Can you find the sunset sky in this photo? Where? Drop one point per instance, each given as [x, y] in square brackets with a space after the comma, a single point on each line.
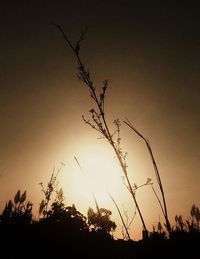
[150, 55]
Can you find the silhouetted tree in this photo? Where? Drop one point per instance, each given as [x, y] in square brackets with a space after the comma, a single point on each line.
[68, 216]
[101, 222]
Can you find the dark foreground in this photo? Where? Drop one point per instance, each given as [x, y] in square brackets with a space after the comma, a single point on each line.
[40, 241]
[63, 232]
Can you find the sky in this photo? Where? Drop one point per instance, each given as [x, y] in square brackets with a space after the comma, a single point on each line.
[150, 54]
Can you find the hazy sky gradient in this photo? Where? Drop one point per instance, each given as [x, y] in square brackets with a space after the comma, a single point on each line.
[151, 57]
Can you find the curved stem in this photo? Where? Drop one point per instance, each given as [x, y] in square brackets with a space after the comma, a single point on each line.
[164, 210]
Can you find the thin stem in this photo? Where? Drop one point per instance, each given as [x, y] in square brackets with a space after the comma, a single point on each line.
[124, 224]
[165, 213]
[159, 201]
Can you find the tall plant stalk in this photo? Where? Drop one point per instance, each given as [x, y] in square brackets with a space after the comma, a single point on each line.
[164, 205]
[99, 121]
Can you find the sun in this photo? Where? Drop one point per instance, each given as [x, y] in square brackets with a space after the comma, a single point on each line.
[101, 176]
[93, 173]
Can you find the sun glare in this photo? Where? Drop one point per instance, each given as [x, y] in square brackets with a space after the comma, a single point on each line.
[93, 172]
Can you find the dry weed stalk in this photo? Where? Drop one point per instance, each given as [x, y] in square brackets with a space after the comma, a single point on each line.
[99, 122]
[158, 178]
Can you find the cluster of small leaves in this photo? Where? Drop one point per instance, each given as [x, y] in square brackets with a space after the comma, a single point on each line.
[191, 224]
[180, 224]
[148, 182]
[97, 120]
[59, 196]
[98, 123]
[67, 215]
[100, 221]
[135, 187]
[48, 191]
[82, 37]
[17, 210]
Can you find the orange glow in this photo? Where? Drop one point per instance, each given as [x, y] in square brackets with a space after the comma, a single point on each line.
[97, 174]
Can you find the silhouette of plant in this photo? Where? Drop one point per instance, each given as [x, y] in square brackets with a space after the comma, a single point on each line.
[125, 226]
[101, 223]
[180, 224]
[17, 211]
[189, 226]
[164, 206]
[195, 214]
[57, 213]
[67, 216]
[158, 232]
[48, 192]
[91, 237]
[97, 205]
[98, 119]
